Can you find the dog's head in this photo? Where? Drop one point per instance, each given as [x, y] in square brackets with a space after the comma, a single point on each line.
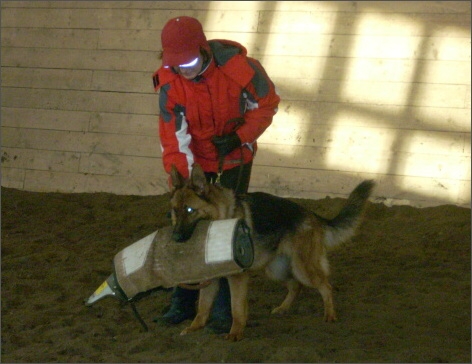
[192, 200]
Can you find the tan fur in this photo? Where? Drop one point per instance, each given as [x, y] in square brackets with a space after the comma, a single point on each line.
[305, 250]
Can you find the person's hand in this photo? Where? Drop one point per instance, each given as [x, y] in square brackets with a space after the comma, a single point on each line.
[225, 144]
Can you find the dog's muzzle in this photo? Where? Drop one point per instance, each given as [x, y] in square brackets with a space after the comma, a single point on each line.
[183, 231]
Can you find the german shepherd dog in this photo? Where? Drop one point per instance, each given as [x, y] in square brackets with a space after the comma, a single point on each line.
[290, 242]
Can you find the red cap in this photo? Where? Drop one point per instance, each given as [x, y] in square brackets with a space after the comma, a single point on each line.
[181, 40]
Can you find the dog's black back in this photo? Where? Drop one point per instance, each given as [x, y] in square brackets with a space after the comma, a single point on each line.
[273, 217]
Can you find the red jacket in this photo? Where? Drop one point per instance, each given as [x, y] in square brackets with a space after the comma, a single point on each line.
[193, 111]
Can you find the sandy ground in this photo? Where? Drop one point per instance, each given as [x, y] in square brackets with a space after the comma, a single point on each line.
[402, 289]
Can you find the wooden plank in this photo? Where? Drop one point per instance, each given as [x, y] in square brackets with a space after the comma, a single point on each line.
[86, 59]
[147, 5]
[463, 198]
[72, 100]
[306, 114]
[330, 22]
[283, 44]
[49, 18]
[362, 140]
[132, 81]
[67, 141]
[50, 38]
[418, 47]
[342, 6]
[359, 69]
[45, 119]
[380, 140]
[13, 178]
[352, 92]
[424, 190]
[264, 21]
[440, 95]
[355, 46]
[357, 160]
[122, 81]
[121, 165]
[175, 5]
[226, 20]
[114, 18]
[21, 158]
[449, 72]
[333, 68]
[45, 181]
[290, 112]
[350, 160]
[130, 40]
[163, 5]
[373, 92]
[412, 6]
[53, 140]
[415, 191]
[47, 78]
[129, 124]
[293, 182]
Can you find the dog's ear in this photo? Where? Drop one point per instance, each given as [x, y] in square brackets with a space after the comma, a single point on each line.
[199, 182]
[176, 178]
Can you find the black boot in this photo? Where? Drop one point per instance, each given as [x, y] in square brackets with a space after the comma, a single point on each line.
[220, 318]
[182, 307]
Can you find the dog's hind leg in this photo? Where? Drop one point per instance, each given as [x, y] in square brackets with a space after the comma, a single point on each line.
[205, 302]
[327, 293]
[320, 282]
[314, 273]
[294, 288]
[238, 285]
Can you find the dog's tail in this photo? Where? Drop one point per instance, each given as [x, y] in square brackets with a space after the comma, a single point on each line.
[344, 225]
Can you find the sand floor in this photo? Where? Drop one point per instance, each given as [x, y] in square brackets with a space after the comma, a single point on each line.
[402, 289]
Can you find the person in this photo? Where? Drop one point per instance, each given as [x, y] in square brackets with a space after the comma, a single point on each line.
[214, 101]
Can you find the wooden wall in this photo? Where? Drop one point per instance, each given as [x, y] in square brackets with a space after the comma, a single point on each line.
[374, 89]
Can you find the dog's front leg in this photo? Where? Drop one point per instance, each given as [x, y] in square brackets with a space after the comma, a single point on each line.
[205, 302]
[238, 285]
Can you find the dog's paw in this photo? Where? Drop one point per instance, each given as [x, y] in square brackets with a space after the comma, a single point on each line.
[330, 318]
[279, 311]
[234, 337]
[187, 330]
